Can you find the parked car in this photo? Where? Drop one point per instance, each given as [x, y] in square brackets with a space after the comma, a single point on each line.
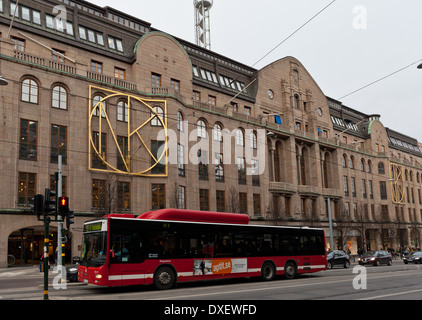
[338, 258]
[413, 257]
[72, 270]
[376, 258]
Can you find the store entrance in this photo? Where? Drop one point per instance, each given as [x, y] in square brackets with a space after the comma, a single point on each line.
[26, 246]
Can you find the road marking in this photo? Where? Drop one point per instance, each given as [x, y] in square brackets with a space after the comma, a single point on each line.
[281, 287]
[391, 295]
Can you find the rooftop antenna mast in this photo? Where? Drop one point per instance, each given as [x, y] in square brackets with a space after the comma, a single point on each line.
[202, 23]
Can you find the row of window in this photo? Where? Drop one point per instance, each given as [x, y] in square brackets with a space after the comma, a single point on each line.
[366, 191]
[234, 202]
[225, 81]
[56, 23]
[100, 196]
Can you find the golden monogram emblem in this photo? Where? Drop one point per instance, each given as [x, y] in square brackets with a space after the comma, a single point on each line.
[131, 122]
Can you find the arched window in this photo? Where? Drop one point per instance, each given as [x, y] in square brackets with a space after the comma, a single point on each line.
[362, 165]
[369, 166]
[277, 162]
[180, 121]
[201, 128]
[344, 161]
[158, 114]
[296, 101]
[98, 104]
[325, 170]
[240, 139]
[254, 141]
[122, 111]
[216, 133]
[381, 168]
[352, 162]
[30, 91]
[59, 97]
[303, 169]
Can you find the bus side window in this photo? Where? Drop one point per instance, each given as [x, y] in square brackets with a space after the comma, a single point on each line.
[223, 246]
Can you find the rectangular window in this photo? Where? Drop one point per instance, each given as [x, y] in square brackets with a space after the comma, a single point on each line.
[155, 80]
[96, 66]
[123, 195]
[157, 150]
[383, 190]
[58, 143]
[99, 158]
[255, 173]
[345, 186]
[158, 196]
[14, 10]
[28, 140]
[212, 100]
[99, 193]
[221, 201]
[58, 55]
[204, 199]
[122, 155]
[120, 73]
[53, 184]
[247, 111]
[19, 43]
[241, 170]
[196, 96]
[203, 165]
[243, 202]
[181, 199]
[115, 44]
[175, 84]
[257, 204]
[353, 185]
[364, 188]
[180, 160]
[82, 32]
[218, 167]
[26, 188]
[26, 14]
[36, 17]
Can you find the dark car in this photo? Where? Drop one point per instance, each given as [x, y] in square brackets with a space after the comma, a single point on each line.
[72, 273]
[72, 270]
[338, 258]
[376, 258]
[413, 257]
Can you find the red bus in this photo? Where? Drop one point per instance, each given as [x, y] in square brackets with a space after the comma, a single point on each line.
[170, 246]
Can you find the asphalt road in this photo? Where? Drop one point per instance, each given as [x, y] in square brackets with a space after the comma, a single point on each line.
[397, 282]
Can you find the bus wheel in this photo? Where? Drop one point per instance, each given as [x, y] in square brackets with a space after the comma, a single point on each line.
[290, 270]
[164, 278]
[268, 271]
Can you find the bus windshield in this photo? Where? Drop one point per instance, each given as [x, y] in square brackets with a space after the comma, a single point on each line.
[94, 249]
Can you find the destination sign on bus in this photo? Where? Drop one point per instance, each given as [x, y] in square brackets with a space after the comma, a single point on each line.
[97, 226]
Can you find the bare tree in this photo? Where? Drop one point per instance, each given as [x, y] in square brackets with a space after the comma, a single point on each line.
[342, 224]
[275, 216]
[233, 204]
[107, 202]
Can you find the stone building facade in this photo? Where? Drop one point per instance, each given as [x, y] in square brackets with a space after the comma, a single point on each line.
[109, 93]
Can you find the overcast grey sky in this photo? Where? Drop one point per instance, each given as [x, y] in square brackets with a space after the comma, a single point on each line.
[340, 57]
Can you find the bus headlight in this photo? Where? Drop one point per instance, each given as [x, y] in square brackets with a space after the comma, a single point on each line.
[98, 276]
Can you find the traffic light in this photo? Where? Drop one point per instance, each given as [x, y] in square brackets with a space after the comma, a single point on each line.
[50, 204]
[69, 219]
[39, 205]
[63, 206]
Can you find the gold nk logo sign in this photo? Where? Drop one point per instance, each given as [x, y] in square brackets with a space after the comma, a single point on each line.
[131, 124]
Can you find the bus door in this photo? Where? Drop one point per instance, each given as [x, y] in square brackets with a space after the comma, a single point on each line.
[126, 255]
